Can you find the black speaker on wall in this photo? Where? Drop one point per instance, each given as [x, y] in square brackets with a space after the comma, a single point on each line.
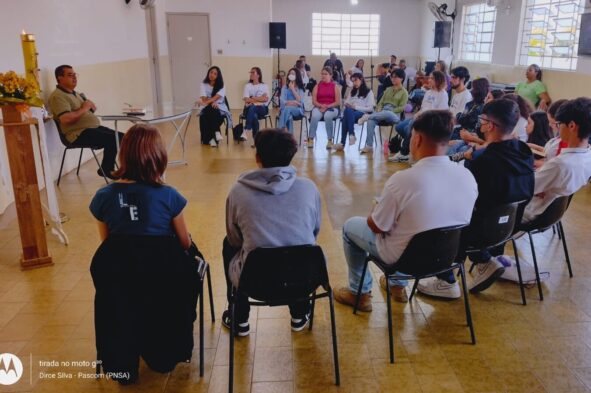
[277, 37]
[442, 34]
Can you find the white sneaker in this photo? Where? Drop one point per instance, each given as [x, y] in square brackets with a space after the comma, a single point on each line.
[310, 143]
[243, 136]
[213, 143]
[329, 145]
[398, 157]
[366, 150]
[352, 140]
[338, 147]
[528, 272]
[436, 287]
[363, 119]
[218, 136]
[485, 274]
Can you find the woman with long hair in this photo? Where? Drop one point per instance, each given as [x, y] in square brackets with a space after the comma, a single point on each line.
[326, 98]
[213, 107]
[291, 101]
[525, 109]
[435, 98]
[256, 101]
[139, 203]
[442, 67]
[533, 89]
[360, 102]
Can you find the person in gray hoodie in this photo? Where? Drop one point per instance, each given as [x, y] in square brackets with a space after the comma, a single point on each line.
[269, 207]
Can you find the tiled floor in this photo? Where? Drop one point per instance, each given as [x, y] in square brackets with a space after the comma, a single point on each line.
[47, 314]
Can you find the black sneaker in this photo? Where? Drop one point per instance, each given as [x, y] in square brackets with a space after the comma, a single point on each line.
[297, 325]
[108, 174]
[241, 329]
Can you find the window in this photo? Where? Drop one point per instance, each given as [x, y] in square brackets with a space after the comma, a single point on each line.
[478, 31]
[550, 33]
[345, 34]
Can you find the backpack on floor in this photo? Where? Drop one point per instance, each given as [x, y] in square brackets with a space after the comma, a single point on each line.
[395, 144]
[237, 131]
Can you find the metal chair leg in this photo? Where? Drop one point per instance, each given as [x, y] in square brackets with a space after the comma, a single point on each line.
[201, 338]
[361, 136]
[312, 307]
[562, 234]
[521, 286]
[80, 160]
[59, 177]
[358, 298]
[467, 304]
[210, 289]
[414, 289]
[231, 360]
[333, 328]
[533, 253]
[390, 328]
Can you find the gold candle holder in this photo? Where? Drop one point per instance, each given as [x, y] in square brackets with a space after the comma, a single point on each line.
[30, 57]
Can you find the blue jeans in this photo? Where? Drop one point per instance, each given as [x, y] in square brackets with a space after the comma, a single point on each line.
[358, 240]
[404, 129]
[287, 115]
[253, 114]
[350, 116]
[328, 118]
[457, 147]
[378, 117]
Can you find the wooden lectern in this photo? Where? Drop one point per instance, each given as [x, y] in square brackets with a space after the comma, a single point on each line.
[21, 158]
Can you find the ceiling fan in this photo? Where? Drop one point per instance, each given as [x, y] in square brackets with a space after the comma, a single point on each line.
[440, 11]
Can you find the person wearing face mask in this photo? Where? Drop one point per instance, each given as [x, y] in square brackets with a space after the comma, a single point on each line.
[291, 101]
[359, 103]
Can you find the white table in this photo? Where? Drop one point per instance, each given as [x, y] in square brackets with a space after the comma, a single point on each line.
[178, 116]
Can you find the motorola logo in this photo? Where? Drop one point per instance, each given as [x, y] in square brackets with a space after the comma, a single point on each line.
[11, 369]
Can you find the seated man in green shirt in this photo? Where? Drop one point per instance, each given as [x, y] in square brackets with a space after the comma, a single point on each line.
[389, 108]
[77, 120]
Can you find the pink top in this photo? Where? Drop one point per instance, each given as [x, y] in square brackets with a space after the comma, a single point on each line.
[326, 93]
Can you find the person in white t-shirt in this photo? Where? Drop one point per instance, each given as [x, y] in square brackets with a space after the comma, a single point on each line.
[435, 98]
[566, 173]
[213, 107]
[525, 109]
[461, 96]
[410, 203]
[256, 101]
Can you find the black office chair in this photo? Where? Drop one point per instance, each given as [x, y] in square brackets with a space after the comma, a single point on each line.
[428, 254]
[145, 302]
[68, 146]
[281, 276]
[550, 218]
[302, 119]
[491, 228]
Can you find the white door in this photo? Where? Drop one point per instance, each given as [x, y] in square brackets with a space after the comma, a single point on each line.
[190, 54]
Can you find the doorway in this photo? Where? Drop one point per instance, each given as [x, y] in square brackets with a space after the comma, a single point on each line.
[189, 51]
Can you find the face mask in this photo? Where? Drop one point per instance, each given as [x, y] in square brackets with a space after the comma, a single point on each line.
[291, 77]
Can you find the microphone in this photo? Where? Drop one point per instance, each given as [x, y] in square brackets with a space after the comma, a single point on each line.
[83, 96]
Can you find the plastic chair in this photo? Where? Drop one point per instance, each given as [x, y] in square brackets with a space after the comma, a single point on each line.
[280, 276]
[550, 218]
[428, 254]
[146, 295]
[491, 228]
[69, 146]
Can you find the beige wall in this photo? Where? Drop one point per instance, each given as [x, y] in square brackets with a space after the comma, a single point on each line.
[235, 71]
[560, 84]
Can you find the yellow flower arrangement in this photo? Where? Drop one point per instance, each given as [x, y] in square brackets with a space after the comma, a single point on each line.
[15, 89]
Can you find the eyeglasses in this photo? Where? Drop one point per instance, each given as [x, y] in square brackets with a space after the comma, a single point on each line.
[484, 120]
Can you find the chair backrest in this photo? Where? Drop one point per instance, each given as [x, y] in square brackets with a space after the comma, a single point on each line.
[492, 226]
[62, 136]
[430, 251]
[279, 275]
[551, 215]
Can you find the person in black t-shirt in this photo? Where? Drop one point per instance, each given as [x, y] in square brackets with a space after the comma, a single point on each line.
[504, 174]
